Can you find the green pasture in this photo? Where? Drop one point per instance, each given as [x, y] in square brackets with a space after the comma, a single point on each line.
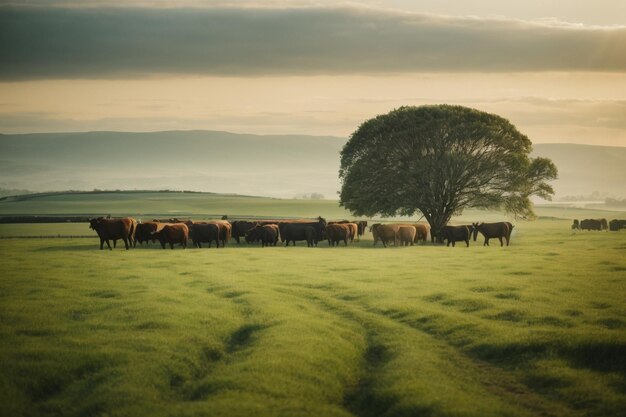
[534, 329]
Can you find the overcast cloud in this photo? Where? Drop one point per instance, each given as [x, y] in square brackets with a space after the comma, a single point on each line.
[44, 43]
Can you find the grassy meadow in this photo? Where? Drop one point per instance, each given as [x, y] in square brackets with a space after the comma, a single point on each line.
[536, 328]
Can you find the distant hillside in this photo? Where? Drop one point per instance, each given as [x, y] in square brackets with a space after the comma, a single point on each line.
[277, 165]
[585, 169]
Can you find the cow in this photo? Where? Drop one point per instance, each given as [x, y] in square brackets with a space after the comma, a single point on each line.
[576, 225]
[267, 234]
[406, 235]
[387, 233]
[455, 234]
[374, 231]
[421, 232]
[615, 225]
[362, 224]
[593, 224]
[204, 232]
[338, 232]
[493, 230]
[113, 229]
[240, 227]
[354, 230]
[301, 231]
[173, 233]
[298, 230]
[224, 227]
[144, 232]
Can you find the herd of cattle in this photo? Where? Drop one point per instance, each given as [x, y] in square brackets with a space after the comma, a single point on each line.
[599, 224]
[269, 232]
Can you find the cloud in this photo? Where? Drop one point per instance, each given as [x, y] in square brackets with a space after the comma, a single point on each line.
[98, 42]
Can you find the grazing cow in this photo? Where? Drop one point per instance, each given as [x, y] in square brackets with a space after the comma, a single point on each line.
[387, 233]
[173, 233]
[298, 230]
[593, 224]
[144, 232]
[338, 232]
[615, 225]
[455, 234]
[406, 235]
[493, 230]
[113, 229]
[575, 225]
[203, 232]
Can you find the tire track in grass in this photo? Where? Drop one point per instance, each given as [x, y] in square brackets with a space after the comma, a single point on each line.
[197, 388]
[367, 398]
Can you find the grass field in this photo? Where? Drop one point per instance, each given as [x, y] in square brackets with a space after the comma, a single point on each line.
[538, 328]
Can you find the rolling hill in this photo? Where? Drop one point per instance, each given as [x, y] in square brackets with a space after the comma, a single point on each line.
[277, 166]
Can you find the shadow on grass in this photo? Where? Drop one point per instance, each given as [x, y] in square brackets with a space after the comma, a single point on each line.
[603, 356]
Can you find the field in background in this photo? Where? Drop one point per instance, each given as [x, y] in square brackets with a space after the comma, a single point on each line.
[537, 328]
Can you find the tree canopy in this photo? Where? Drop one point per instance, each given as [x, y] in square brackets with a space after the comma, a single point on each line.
[438, 160]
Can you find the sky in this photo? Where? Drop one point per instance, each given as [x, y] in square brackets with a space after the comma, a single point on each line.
[556, 69]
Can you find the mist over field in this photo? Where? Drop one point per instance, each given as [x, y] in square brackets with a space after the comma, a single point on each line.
[284, 166]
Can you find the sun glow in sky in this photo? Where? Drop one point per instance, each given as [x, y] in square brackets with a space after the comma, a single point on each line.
[555, 69]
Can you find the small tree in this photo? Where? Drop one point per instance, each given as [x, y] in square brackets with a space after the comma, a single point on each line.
[438, 160]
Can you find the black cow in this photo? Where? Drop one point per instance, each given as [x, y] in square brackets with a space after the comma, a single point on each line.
[201, 233]
[455, 234]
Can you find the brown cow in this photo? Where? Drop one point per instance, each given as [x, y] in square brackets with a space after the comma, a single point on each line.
[354, 230]
[173, 233]
[337, 232]
[267, 234]
[406, 235]
[387, 233]
[113, 229]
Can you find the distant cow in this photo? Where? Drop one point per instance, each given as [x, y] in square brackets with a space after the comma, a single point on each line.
[455, 234]
[173, 233]
[615, 225]
[335, 233]
[575, 224]
[406, 235]
[223, 225]
[354, 230]
[205, 233]
[498, 230]
[144, 232]
[113, 229]
[593, 224]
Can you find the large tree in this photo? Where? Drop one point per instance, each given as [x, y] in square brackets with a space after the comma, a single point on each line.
[438, 160]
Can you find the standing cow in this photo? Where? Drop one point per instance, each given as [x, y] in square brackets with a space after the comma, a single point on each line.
[144, 231]
[173, 233]
[455, 234]
[113, 229]
[498, 230]
[204, 233]
[406, 235]
[338, 232]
